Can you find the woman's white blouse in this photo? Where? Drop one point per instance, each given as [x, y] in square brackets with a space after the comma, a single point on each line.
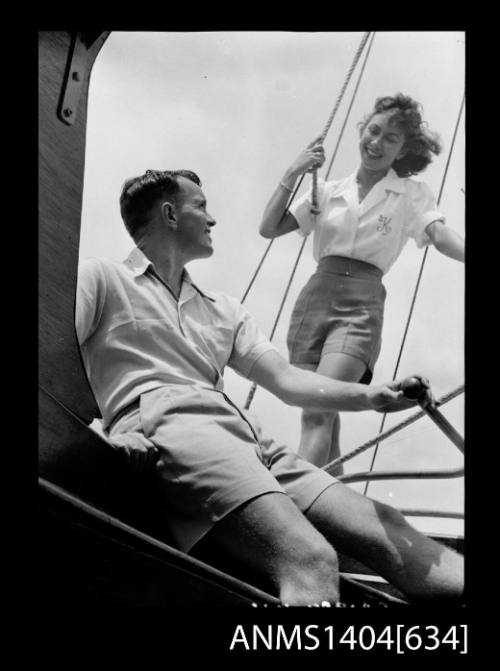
[374, 231]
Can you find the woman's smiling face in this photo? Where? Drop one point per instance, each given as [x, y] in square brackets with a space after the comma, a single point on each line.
[382, 142]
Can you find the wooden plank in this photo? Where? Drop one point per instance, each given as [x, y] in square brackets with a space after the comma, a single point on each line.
[90, 557]
[75, 457]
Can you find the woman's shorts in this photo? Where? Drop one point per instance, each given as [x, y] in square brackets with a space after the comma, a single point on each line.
[340, 310]
[213, 459]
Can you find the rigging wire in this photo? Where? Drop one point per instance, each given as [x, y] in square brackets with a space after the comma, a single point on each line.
[292, 197]
[397, 427]
[334, 155]
[253, 389]
[417, 285]
[357, 55]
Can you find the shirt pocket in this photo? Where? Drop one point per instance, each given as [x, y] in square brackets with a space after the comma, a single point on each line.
[217, 340]
[153, 406]
[154, 332]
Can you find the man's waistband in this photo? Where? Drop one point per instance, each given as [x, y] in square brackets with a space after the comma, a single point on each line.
[121, 413]
[130, 407]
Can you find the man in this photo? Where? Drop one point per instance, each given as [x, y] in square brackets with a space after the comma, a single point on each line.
[155, 347]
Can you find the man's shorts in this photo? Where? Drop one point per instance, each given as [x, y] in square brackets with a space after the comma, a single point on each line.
[212, 458]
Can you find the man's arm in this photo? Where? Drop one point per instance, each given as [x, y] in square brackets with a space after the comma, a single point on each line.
[303, 388]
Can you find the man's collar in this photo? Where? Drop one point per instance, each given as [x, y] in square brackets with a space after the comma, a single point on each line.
[139, 263]
[204, 294]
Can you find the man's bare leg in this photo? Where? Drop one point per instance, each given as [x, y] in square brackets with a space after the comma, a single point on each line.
[380, 537]
[272, 538]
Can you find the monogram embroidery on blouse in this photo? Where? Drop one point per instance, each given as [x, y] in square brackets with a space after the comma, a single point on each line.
[384, 227]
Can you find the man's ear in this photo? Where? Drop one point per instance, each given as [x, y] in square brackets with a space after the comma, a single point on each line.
[168, 214]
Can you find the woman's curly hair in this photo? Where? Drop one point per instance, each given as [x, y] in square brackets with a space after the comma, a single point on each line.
[420, 143]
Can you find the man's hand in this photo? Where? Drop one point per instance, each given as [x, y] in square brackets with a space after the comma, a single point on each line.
[390, 397]
[139, 452]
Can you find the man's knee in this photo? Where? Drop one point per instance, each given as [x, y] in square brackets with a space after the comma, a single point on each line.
[313, 576]
[322, 558]
[318, 560]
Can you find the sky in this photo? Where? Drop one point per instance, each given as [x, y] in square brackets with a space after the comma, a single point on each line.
[237, 108]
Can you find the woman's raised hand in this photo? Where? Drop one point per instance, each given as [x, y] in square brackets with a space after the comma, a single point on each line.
[310, 159]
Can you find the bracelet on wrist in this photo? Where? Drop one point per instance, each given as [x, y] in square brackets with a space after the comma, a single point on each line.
[287, 188]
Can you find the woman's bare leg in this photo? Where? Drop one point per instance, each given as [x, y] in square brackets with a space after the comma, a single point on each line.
[319, 441]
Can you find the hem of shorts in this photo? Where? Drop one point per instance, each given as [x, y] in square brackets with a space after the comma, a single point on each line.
[315, 498]
[313, 485]
[309, 358]
[346, 350]
[215, 518]
[212, 505]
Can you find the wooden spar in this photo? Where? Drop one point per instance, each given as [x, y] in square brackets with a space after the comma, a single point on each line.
[61, 166]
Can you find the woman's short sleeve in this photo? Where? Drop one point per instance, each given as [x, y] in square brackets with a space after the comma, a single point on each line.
[301, 209]
[422, 212]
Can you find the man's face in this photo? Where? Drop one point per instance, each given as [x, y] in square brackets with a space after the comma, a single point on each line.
[193, 221]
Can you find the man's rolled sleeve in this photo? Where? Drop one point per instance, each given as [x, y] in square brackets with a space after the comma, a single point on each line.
[250, 343]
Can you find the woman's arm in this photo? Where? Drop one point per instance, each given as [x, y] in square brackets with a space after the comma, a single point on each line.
[446, 240]
[273, 222]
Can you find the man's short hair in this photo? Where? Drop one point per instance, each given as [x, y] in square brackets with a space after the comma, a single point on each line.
[140, 194]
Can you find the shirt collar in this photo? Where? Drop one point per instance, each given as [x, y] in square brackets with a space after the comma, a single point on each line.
[138, 263]
[391, 182]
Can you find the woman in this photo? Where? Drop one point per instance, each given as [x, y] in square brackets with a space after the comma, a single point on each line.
[363, 223]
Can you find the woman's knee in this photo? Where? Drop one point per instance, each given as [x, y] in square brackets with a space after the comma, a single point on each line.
[313, 419]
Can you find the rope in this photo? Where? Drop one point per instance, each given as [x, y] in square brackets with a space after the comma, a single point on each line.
[382, 436]
[247, 291]
[382, 424]
[325, 131]
[253, 388]
[334, 155]
[314, 194]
